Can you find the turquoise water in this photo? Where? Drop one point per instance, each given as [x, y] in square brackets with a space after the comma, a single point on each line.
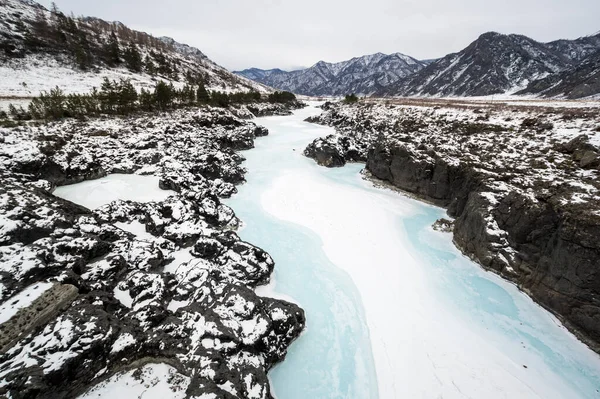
[334, 358]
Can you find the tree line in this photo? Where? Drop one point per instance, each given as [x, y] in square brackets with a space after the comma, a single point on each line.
[121, 98]
[92, 42]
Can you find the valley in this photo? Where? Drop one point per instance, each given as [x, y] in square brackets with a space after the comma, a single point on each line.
[380, 227]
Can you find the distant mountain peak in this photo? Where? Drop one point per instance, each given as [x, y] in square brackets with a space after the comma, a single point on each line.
[361, 75]
[495, 63]
[491, 35]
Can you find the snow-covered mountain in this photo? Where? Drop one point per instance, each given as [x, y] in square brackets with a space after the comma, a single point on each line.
[582, 80]
[360, 75]
[493, 64]
[41, 49]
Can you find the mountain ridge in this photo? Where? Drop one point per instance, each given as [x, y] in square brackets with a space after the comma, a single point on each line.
[494, 63]
[45, 48]
[361, 75]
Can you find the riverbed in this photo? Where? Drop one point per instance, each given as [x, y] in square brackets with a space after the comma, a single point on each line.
[393, 309]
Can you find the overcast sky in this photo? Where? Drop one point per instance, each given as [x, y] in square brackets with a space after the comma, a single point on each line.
[297, 33]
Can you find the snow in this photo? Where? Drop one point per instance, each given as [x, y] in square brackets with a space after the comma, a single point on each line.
[156, 381]
[23, 299]
[30, 76]
[95, 193]
[124, 341]
[180, 257]
[137, 229]
[123, 296]
[270, 291]
[18, 260]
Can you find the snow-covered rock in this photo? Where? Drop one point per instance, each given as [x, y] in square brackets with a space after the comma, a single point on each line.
[138, 284]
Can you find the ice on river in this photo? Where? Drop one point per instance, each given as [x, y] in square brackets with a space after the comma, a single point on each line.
[420, 349]
[439, 326]
[95, 193]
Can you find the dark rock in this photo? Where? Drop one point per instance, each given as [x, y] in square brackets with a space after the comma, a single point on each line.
[325, 153]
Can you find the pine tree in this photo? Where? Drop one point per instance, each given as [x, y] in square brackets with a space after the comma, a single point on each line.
[133, 58]
[82, 51]
[112, 50]
[146, 99]
[108, 96]
[150, 66]
[163, 95]
[127, 97]
[202, 95]
[82, 57]
[40, 31]
[220, 99]
[350, 98]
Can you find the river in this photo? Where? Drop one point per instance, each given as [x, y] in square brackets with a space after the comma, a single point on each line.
[393, 309]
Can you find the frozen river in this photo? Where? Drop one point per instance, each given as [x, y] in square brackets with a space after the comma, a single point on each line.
[393, 309]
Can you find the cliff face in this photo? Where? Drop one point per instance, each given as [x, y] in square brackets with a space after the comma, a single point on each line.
[538, 232]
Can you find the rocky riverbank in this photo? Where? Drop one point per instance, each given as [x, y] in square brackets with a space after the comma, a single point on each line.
[522, 183]
[133, 284]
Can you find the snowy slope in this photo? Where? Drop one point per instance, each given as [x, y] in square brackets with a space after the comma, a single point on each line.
[361, 75]
[494, 64]
[580, 81]
[30, 62]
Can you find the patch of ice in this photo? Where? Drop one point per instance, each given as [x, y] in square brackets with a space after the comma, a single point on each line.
[95, 193]
[123, 296]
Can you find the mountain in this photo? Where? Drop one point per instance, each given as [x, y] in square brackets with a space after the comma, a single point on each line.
[494, 64]
[41, 49]
[361, 75]
[580, 81]
[579, 49]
